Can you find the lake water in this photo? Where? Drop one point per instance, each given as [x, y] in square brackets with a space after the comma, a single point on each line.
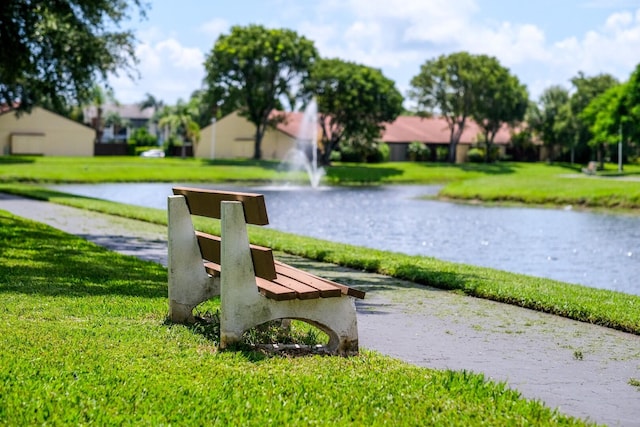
[592, 249]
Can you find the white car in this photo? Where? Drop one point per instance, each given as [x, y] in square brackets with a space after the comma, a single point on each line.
[152, 153]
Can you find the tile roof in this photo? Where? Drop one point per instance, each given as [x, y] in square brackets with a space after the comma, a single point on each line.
[404, 129]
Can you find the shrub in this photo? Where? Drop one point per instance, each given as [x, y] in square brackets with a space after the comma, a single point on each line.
[418, 152]
[476, 155]
[380, 153]
[142, 137]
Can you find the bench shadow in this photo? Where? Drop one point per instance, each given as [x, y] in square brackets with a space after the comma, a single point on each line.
[374, 283]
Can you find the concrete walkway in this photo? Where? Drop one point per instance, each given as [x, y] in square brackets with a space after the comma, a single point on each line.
[581, 369]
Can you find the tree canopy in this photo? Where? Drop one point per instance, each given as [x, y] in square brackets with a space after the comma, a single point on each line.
[460, 86]
[353, 100]
[500, 99]
[550, 119]
[255, 66]
[53, 51]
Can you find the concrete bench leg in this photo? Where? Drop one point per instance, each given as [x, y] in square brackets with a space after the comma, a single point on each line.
[189, 283]
[242, 307]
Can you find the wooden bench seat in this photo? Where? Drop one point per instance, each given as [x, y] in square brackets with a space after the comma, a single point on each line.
[197, 272]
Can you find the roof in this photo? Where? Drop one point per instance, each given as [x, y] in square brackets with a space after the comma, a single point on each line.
[435, 130]
[126, 111]
[406, 129]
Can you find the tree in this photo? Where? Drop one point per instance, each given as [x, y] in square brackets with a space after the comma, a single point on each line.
[52, 52]
[605, 119]
[586, 90]
[180, 121]
[98, 97]
[157, 105]
[448, 85]
[254, 66]
[551, 120]
[500, 99]
[353, 101]
[113, 118]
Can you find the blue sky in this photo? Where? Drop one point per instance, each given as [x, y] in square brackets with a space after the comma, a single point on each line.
[542, 42]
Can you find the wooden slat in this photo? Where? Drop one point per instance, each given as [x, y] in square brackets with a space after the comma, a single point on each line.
[204, 202]
[265, 287]
[302, 290]
[212, 268]
[326, 290]
[274, 291]
[346, 290]
[263, 263]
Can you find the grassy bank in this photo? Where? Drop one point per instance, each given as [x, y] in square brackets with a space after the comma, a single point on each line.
[542, 184]
[603, 307]
[84, 342]
[530, 183]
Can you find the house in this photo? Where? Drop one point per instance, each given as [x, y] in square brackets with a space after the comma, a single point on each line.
[131, 117]
[434, 132]
[234, 137]
[42, 132]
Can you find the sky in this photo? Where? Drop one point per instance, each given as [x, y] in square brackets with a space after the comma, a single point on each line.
[542, 42]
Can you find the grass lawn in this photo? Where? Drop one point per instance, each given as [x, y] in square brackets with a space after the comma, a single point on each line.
[84, 341]
[543, 184]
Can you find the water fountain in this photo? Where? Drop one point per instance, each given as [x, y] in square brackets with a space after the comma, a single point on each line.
[304, 156]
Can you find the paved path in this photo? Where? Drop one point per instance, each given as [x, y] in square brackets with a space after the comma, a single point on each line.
[581, 369]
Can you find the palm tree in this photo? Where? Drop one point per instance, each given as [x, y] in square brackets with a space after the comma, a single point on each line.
[158, 106]
[180, 121]
[99, 97]
[113, 118]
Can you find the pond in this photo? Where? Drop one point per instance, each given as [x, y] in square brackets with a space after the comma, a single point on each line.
[592, 249]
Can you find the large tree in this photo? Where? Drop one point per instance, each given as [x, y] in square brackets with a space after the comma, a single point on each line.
[52, 52]
[448, 86]
[551, 121]
[353, 101]
[586, 89]
[254, 66]
[500, 99]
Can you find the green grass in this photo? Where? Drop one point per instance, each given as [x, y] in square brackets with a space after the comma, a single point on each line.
[599, 306]
[530, 183]
[84, 341]
[135, 169]
[556, 185]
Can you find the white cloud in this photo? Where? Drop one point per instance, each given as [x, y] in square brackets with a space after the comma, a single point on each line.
[168, 70]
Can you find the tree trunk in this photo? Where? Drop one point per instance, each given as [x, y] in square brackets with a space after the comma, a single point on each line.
[257, 147]
[452, 152]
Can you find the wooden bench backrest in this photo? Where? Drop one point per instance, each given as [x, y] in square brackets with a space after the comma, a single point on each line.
[203, 202]
[207, 203]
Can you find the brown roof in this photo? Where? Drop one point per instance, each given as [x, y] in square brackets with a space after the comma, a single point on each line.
[405, 129]
[435, 130]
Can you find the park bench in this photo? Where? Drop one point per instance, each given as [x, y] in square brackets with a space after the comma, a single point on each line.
[253, 287]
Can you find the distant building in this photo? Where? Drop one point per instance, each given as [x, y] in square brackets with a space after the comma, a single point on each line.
[434, 132]
[132, 118]
[44, 133]
[234, 137]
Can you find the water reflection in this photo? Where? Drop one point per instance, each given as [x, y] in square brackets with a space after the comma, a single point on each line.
[587, 248]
